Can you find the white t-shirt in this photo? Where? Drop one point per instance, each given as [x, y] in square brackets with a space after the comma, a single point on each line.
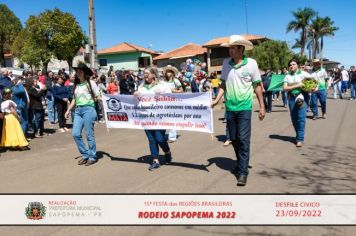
[345, 75]
[5, 106]
[159, 88]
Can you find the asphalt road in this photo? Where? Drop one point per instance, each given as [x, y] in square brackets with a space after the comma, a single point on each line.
[325, 164]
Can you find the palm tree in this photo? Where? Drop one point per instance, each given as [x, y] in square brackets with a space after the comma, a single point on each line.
[302, 20]
[320, 27]
[297, 44]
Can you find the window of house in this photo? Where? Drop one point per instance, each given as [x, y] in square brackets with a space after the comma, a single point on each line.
[144, 61]
[103, 62]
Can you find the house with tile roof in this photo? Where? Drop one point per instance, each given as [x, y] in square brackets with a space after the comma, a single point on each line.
[178, 56]
[127, 56]
[216, 53]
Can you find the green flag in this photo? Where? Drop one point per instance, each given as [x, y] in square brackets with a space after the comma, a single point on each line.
[276, 83]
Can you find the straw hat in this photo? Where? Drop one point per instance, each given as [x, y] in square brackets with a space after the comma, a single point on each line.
[238, 40]
[316, 61]
[171, 68]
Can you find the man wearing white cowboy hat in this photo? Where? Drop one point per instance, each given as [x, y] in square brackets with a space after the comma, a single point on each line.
[320, 94]
[240, 77]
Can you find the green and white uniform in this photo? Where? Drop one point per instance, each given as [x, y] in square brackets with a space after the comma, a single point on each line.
[240, 81]
[320, 75]
[295, 78]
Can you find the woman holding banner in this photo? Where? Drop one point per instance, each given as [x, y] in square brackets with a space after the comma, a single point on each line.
[293, 83]
[86, 93]
[156, 138]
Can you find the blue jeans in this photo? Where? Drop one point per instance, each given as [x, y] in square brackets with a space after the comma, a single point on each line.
[239, 124]
[157, 138]
[321, 96]
[39, 120]
[285, 98]
[298, 116]
[353, 91]
[215, 91]
[337, 89]
[267, 100]
[52, 111]
[23, 114]
[343, 86]
[227, 133]
[85, 117]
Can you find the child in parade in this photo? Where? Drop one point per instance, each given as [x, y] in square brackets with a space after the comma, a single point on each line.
[12, 134]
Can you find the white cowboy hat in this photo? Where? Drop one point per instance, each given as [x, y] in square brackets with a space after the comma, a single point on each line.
[238, 40]
[316, 61]
[171, 68]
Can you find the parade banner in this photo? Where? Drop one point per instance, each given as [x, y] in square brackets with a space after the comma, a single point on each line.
[178, 209]
[179, 111]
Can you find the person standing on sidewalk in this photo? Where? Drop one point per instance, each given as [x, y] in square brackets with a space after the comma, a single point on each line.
[240, 77]
[297, 99]
[86, 92]
[320, 75]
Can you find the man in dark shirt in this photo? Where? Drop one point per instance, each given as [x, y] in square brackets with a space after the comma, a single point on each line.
[353, 82]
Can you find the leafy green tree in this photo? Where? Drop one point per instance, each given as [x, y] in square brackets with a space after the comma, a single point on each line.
[320, 27]
[271, 54]
[28, 51]
[58, 33]
[301, 22]
[10, 26]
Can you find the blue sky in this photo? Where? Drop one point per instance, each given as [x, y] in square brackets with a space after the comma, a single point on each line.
[165, 25]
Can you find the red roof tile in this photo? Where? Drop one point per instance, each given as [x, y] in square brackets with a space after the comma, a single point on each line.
[187, 50]
[219, 41]
[125, 47]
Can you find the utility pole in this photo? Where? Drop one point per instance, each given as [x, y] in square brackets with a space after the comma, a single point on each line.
[246, 16]
[92, 35]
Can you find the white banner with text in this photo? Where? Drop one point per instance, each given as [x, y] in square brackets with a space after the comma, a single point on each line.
[180, 111]
[178, 209]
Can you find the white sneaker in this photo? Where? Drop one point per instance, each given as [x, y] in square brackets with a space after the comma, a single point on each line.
[227, 143]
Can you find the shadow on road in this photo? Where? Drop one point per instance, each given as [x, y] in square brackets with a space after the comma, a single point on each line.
[283, 138]
[222, 162]
[328, 169]
[148, 160]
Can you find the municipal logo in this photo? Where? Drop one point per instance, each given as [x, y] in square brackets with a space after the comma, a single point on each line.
[35, 211]
[114, 104]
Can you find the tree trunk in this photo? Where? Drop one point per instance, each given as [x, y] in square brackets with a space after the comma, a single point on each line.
[2, 58]
[302, 43]
[70, 64]
[45, 67]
